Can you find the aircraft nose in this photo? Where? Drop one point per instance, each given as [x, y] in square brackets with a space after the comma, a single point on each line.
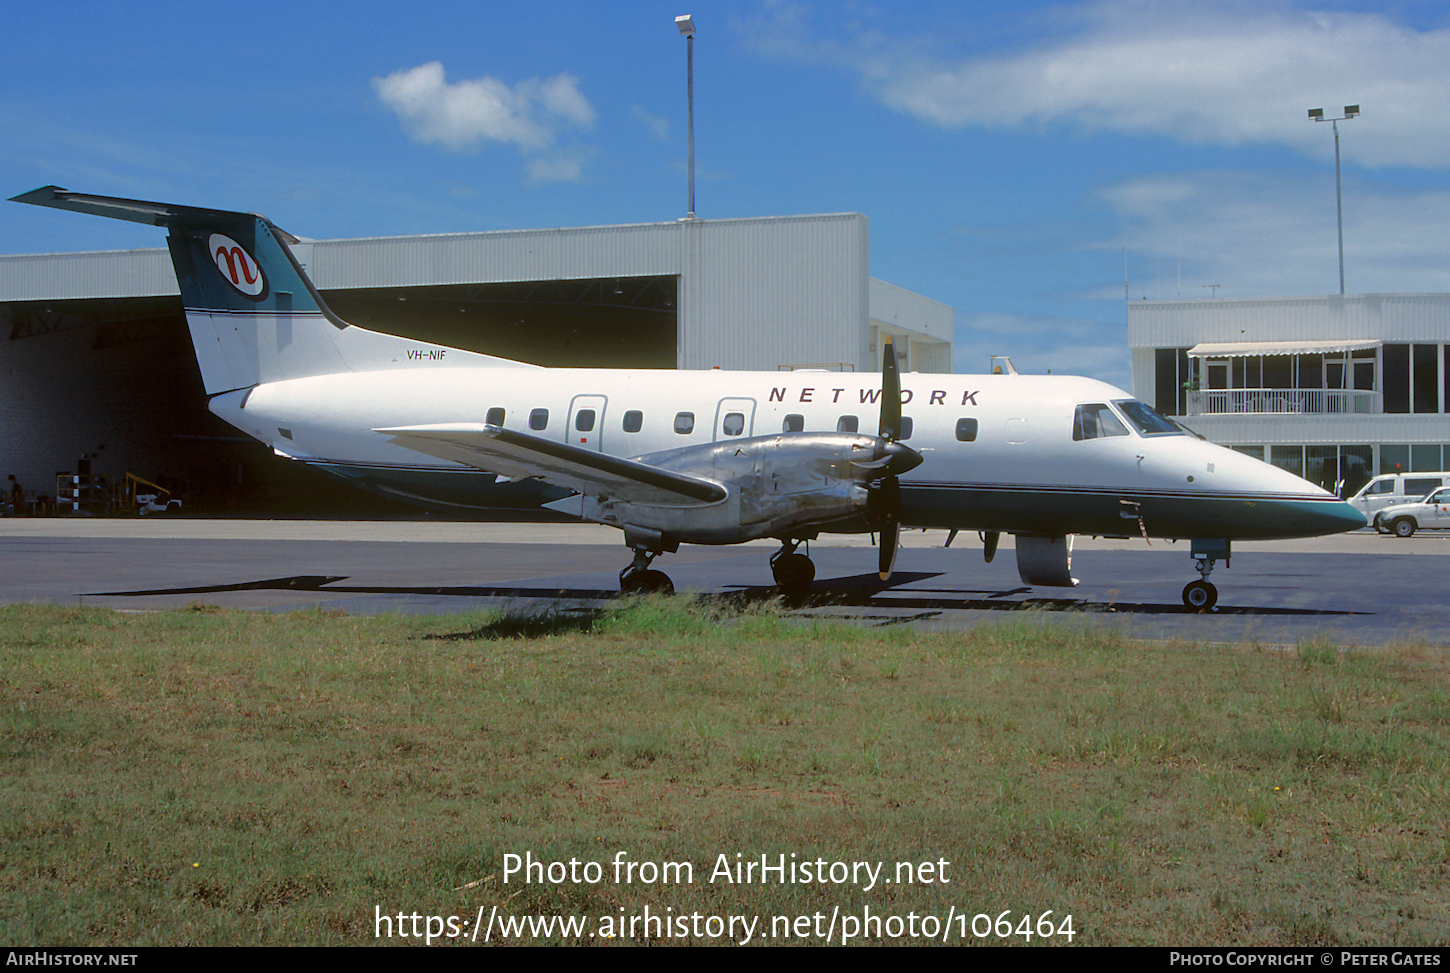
[1336, 518]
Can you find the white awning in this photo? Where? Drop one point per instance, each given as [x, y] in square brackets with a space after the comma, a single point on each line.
[1241, 349]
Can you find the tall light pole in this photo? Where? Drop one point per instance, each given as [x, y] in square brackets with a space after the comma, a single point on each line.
[1317, 114]
[686, 24]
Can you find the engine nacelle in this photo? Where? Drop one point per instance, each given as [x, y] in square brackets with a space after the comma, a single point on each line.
[775, 485]
[1045, 559]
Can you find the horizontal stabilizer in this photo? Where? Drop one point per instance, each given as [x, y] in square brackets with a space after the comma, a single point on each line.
[517, 454]
[138, 210]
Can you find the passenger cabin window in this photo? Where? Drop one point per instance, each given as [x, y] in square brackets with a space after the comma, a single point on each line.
[584, 420]
[633, 420]
[495, 416]
[966, 430]
[1096, 421]
[539, 419]
[734, 423]
[848, 424]
[684, 423]
[793, 424]
[906, 428]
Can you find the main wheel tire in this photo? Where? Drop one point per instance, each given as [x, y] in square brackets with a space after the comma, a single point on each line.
[1403, 527]
[1200, 596]
[793, 571]
[647, 582]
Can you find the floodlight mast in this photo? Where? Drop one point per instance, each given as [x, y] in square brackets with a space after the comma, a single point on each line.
[686, 25]
[1317, 114]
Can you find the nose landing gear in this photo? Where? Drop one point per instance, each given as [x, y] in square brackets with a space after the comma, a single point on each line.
[1201, 595]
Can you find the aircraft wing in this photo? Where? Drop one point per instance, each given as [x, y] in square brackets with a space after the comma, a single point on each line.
[519, 455]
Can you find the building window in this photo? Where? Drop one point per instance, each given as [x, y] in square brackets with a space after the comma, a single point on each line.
[1425, 459]
[1172, 373]
[1397, 378]
[1427, 378]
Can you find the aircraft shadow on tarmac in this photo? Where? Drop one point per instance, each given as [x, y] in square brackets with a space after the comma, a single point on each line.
[855, 591]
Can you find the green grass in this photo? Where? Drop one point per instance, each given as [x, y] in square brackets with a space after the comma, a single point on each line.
[211, 777]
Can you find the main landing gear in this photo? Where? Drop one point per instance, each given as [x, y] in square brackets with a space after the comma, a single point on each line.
[639, 578]
[792, 571]
[1201, 595]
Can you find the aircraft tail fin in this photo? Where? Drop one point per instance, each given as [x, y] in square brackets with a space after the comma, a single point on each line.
[254, 314]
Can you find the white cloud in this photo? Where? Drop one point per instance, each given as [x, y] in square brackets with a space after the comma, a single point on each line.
[463, 114]
[1217, 72]
[1265, 234]
[659, 126]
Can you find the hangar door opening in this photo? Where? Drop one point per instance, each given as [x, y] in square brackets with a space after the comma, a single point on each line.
[609, 322]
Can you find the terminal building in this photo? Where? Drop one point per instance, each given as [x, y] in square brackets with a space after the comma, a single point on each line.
[97, 374]
[1335, 389]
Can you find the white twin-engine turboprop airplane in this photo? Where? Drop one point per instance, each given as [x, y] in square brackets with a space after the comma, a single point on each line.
[714, 457]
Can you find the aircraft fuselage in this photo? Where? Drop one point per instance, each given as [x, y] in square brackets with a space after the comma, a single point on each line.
[999, 450]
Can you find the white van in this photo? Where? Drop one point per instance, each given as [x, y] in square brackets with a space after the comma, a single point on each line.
[1395, 488]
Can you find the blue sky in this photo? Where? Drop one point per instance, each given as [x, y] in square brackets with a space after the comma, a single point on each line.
[1012, 161]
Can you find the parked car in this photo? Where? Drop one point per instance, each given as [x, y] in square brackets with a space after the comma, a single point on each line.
[1393, 488]
[1403, 519]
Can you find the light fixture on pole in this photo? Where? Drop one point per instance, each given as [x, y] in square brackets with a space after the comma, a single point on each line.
[1317, 114]
[686, 24]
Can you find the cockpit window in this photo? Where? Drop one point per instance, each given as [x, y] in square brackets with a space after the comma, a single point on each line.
[1145, 419]
[1096, 421]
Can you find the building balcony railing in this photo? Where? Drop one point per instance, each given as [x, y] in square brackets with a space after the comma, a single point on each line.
[1213, 402]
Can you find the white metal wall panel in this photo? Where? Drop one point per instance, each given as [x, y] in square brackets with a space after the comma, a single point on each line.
[901, 310]
[757, 294]
[637, 250]
[1344, 429]
[1388, 317]
[76, 276]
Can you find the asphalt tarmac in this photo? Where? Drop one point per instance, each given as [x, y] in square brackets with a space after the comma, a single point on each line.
[1353, 589]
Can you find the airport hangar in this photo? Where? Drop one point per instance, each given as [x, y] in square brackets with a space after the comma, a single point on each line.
[98, 370]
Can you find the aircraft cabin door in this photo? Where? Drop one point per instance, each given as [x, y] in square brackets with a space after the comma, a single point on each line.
[586, 421]
[734, 419]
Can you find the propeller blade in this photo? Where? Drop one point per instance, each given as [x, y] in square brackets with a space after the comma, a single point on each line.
[890, 392]
[889, 494]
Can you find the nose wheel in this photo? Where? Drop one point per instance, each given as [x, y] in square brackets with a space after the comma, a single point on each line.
[1201, 595]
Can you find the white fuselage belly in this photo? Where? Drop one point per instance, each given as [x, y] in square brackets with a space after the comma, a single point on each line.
[1023, 445]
